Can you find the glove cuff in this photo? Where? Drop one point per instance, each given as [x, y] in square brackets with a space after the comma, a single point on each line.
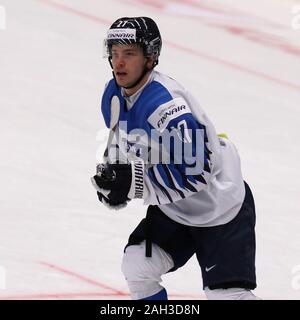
[137, 184]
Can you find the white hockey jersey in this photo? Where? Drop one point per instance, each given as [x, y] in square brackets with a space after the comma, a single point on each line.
[194, 177]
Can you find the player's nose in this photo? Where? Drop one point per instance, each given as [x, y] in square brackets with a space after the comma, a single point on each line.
[119, 62]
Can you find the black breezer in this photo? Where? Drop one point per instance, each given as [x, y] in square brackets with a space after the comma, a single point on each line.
[226, 253]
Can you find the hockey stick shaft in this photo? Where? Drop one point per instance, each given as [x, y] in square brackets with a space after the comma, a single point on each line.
[102, 169]
[114, 118]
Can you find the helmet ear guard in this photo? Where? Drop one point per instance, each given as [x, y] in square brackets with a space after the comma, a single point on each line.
[106, 50]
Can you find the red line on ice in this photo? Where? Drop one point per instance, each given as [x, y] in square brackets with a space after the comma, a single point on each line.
[62, 295]
[249, 33]
[114, 292]
[188, 50]
[69, 295]
[235, 66]
[215, 7]
[80, 13]
[83, 278]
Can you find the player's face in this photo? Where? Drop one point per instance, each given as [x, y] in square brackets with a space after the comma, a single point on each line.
[128, 63]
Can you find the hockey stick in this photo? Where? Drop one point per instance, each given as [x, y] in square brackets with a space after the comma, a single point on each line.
[114, 118]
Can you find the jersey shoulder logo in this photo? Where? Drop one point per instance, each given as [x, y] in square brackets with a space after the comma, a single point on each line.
[172, 109]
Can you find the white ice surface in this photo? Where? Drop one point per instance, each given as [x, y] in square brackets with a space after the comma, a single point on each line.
[242, 61]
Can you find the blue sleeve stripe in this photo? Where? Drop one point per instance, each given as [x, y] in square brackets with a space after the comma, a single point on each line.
[160, 186]
[177, 176]
[172, 184]
[200, 178]
[164, 177]
[186, 183]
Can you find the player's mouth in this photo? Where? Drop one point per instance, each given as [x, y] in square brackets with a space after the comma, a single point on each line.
[121, 74]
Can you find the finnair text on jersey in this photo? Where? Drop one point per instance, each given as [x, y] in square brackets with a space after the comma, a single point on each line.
[169, 113]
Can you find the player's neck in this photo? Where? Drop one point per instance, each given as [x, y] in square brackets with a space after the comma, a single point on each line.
[133, 90]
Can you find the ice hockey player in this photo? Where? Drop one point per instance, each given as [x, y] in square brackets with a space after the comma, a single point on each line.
[167, 152]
